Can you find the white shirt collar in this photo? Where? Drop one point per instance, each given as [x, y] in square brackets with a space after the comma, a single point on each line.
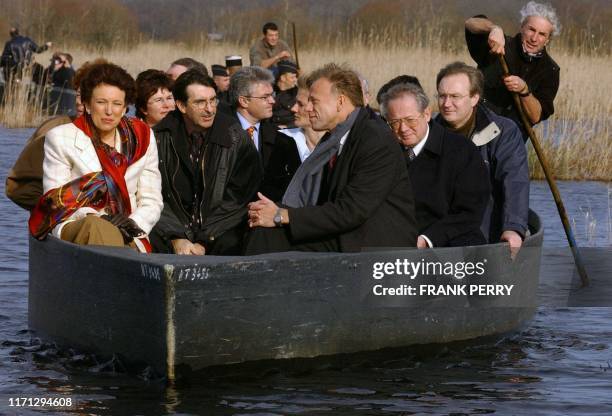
[417, 149]
[342, 140]
[297, 134]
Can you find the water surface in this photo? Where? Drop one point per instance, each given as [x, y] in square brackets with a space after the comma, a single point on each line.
[560, 364]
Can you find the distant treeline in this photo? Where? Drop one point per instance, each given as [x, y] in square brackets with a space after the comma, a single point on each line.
[430, 23]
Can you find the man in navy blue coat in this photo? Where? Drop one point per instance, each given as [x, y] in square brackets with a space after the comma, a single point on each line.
[500, 142]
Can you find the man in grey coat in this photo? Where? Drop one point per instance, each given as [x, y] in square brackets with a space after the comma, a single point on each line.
[500, 141]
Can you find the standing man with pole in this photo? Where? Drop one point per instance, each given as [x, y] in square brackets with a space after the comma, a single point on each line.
[535, 76]
[527, 97]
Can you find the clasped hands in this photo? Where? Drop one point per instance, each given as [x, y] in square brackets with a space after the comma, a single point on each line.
[262, 212]
[127, 227]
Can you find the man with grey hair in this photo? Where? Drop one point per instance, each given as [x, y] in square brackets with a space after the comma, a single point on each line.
[252, 97]
[535, 76]
[448, 174]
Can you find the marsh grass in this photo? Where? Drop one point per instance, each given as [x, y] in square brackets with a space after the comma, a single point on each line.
[576, 142]
[22, 103]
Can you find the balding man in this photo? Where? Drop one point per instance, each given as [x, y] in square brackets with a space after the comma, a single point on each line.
[181, 65]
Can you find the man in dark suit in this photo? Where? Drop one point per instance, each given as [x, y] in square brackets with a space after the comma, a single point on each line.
[252, 97]
[352, 192]
[448, 175]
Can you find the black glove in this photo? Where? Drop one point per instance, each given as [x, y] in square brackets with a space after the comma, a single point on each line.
[116, 219]
[128, 228]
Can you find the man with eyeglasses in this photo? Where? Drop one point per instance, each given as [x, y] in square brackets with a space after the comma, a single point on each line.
[447, 172]
[210, 171]
[499, 139]
[252, 97]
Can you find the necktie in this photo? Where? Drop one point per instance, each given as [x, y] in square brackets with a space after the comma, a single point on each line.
[410, 153]
[250, 131]
[332, 162]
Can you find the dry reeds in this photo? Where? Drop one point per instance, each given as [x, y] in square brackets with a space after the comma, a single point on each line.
[22, 103]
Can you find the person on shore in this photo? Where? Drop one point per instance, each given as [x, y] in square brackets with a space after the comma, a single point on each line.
[210, 171]
[352, 192]
[499, 140]
[267, 51]
[222, 80]
[534, 74]
[252, 96]
[288, 155]
[285, 89]
[62, 95]
[154, 99]
[17, 54]
[448, 175]
[181, 65]
[101, 181]
[24, 181]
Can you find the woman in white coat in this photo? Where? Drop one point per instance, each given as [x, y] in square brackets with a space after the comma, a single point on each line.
[101, 181]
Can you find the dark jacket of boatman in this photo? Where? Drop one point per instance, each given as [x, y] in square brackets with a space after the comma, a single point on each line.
[451, 189]
[500, 142]
[227, 179]
[541, 73]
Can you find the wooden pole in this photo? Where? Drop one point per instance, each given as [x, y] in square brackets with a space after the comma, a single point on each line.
[295, 47]
[549, 178]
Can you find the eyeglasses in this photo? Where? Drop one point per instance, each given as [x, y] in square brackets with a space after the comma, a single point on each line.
[411, 122]
[453, 97]
[160, 100]
[201, 104]
[263, 97]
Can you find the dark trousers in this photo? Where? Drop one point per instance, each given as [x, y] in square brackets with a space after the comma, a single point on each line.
[275, 240]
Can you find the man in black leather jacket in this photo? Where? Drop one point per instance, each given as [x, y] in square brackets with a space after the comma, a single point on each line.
[210, 170]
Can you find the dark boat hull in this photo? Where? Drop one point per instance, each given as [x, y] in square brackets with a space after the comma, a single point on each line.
[195, 312]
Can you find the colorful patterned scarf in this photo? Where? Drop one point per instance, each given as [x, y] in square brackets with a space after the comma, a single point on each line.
[97, 190]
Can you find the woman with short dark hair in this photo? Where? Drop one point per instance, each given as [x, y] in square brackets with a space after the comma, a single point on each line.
[101, 182]
[154, 99]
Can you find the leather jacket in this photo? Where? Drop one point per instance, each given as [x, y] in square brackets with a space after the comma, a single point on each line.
[232, 173]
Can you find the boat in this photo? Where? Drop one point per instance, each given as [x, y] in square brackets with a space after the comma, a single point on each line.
[186, 313]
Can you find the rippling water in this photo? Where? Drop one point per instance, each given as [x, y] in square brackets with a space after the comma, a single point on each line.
[560, 364]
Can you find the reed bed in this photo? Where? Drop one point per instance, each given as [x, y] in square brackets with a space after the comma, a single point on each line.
[22, 104]
[576, 139]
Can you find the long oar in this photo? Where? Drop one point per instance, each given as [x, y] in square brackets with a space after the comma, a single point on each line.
[295, 46]
[550, 179]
